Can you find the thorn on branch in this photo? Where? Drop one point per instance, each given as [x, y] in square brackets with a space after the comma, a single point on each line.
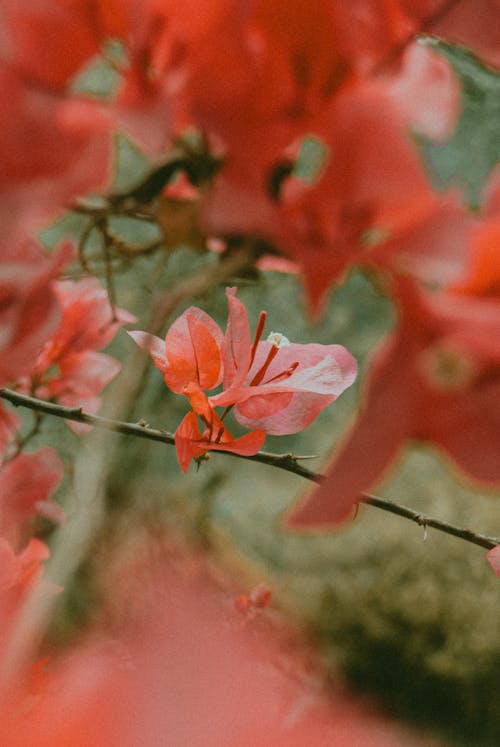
[199, 460]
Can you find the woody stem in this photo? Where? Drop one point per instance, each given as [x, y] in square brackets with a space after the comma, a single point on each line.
[286, 462]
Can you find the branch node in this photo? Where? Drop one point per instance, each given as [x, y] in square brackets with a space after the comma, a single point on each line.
[423, 521]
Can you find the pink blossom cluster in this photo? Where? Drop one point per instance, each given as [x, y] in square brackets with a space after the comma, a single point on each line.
[272, 386]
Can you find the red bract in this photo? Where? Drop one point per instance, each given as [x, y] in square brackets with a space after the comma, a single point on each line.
[52, 147]
[380, 29]
[276, 385]
[37, 178]
[192, 351]
[481, 276]
[88, 322]
[87, 325]
[191, 443]
[26, 485]
[437, 379]
[493, 557]
[261, 78]
[9, 423]
[29, 311]
[160, 38]
[18, 574]
[51, 40]
[372, 201]
[374, 189]
[266, 74]
[473, 23]
[433, 248]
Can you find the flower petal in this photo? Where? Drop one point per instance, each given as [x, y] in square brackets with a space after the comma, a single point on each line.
[187, 437]
[246, 445]
[237, 350]
[194, 348]
[153, 345]
[289, 399]
[493, 558]
[298, 411]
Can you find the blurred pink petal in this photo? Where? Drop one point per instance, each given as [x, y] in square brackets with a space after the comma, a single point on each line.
[426, 91]
[26, 485]
[493, 557]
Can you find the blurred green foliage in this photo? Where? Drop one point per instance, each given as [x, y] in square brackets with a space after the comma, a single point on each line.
[474, 149]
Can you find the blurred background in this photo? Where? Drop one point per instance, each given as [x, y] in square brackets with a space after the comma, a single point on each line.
[409, 618]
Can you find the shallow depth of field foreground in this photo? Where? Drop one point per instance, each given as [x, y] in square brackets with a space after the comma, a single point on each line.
[249, 373]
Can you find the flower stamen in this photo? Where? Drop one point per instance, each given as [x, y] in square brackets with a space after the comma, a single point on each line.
[261, 323]
[262, 370]
[284, 374]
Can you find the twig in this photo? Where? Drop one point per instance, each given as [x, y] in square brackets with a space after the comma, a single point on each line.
[427, 521]
[287, 462]
[82, 244]
[107, 240]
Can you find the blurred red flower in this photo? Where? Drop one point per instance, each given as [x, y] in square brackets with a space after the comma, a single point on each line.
[436, 379]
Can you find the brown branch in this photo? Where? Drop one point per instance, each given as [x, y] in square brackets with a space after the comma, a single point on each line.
[287, 462]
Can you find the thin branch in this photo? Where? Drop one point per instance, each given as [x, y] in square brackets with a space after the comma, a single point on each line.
[82, 243]
[83, 207]
[287, 462]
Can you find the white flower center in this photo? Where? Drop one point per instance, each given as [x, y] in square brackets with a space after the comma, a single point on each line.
[276, 338]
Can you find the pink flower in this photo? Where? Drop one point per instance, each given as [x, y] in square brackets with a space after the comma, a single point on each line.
[87, 325]
[274, 384]
[26, 485]
[19, 573]
[29, 311]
